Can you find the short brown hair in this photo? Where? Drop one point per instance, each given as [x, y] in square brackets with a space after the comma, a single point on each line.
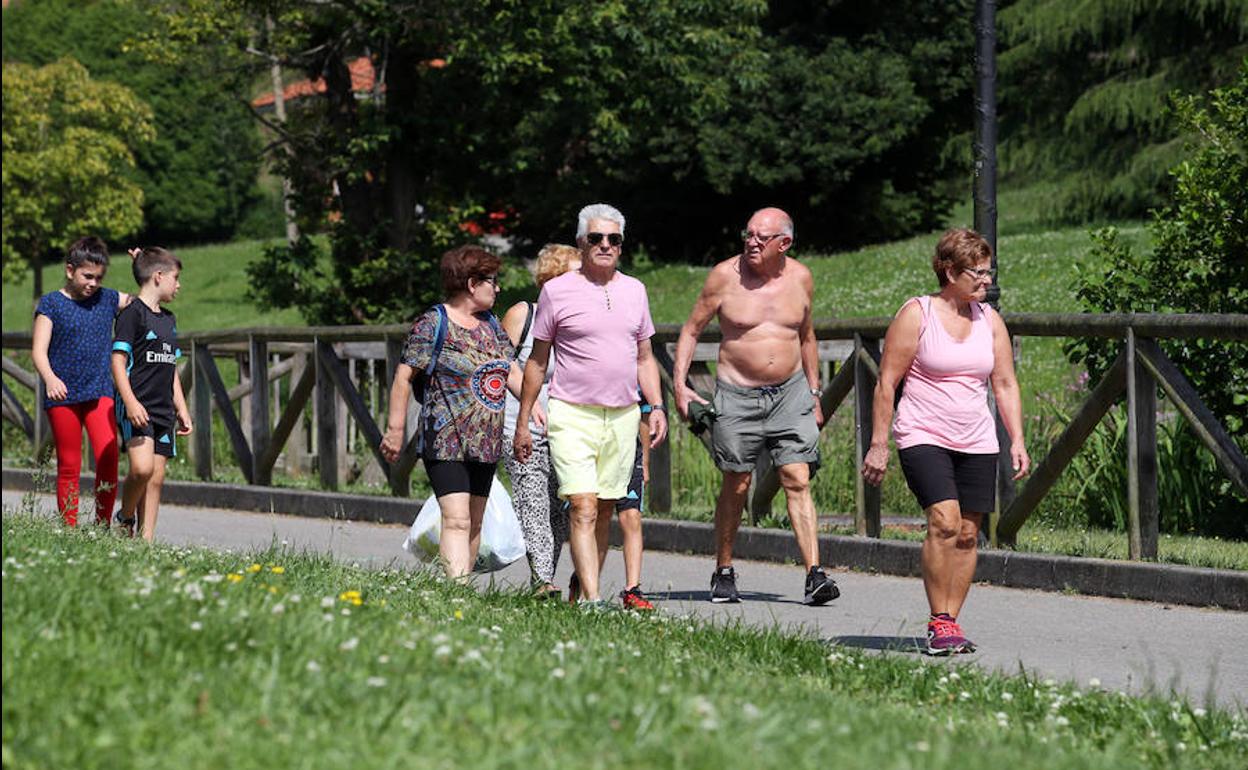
[959, 249]
[554, 260]
[464, 262]
[152, 260]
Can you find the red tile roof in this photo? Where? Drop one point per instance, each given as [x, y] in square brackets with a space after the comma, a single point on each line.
[362, 79]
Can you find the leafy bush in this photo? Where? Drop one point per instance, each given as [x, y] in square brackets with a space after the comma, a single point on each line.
[1199, 264]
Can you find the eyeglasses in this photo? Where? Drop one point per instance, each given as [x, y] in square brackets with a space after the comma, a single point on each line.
[980, 275]
[593, 239]
[747, 236]
[489, 279]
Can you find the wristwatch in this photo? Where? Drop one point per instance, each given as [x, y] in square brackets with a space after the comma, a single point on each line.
[648, 408]
[816, 392]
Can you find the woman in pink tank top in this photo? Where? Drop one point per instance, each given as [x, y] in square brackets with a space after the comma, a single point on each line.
[948, 347]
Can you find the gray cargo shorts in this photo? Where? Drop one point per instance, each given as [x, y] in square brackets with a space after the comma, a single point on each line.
[778, 418]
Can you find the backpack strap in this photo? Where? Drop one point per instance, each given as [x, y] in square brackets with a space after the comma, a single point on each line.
[439, 339]
[426, 378]
[528, 324]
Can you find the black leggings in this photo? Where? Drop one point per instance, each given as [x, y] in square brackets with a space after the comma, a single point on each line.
[450, 476]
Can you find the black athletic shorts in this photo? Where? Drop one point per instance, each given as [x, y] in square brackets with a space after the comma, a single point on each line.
[164, 435]
[450, 476]
[635, 498]
[935, 474]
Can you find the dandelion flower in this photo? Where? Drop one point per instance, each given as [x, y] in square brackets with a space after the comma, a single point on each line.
[459, 614]
[234, 577]
[254, 568]
[277, 570]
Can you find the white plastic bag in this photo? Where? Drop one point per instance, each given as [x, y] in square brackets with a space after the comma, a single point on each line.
[501, 539]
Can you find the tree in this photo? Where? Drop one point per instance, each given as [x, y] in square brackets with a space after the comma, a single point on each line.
[69, 144]
[199, 175]
[1084, 89]
[686, 114]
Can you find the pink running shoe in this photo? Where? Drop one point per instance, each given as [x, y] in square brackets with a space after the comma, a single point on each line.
[945, 637]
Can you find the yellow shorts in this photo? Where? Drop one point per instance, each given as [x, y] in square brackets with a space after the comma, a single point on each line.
[592, 447]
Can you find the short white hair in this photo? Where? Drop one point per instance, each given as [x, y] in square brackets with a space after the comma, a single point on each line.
[786, 221]
[597, 211]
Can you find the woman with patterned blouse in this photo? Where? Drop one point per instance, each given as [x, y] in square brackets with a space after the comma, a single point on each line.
[462, 415]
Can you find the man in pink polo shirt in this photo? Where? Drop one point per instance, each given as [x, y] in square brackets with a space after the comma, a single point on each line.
[598, 321]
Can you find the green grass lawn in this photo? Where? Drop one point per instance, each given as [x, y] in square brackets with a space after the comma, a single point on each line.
[118, 654]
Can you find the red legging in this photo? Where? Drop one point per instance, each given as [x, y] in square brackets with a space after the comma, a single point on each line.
[101, 424]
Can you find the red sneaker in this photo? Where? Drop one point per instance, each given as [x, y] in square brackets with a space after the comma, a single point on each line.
[945, 637]
[634, 599]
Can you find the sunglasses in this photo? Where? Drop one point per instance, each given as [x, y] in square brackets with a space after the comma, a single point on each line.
[593, 239]
[747, 236]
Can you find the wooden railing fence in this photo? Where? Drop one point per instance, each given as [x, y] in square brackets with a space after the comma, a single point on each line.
[343, 372]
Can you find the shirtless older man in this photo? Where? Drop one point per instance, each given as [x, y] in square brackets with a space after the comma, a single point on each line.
[767, 394]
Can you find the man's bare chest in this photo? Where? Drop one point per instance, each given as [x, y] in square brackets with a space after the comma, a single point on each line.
[781, 306]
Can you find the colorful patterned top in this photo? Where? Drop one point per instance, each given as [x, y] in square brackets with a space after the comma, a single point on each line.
[467, 392]
[82, 331]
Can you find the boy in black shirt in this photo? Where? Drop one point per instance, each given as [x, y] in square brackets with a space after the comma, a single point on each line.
[151, 408]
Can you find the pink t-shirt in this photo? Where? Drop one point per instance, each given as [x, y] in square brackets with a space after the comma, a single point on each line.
[594, 330]
[945, 398]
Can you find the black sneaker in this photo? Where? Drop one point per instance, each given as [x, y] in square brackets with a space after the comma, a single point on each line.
[126, 525]
[724, 585]
[820, 589]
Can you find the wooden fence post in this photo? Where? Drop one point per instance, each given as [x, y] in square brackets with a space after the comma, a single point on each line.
[201, 414]
[866, 369]
[258, 355]
[1142, 512]
[326, 423]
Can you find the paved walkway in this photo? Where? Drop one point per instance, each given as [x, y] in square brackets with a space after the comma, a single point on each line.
[1132, 646]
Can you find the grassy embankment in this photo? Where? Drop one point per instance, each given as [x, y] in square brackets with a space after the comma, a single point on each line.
[122, 655]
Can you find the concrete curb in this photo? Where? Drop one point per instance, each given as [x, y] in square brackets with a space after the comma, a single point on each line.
[1146, 581]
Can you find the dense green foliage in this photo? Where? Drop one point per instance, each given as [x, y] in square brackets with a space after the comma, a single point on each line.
[199, 175]
[1084, 88]
[686, 114]
[69, 142]
[1199, 264]
[197, 659]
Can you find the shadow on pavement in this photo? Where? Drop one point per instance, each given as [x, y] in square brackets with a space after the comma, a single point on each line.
[891, 643]
[705, 596]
